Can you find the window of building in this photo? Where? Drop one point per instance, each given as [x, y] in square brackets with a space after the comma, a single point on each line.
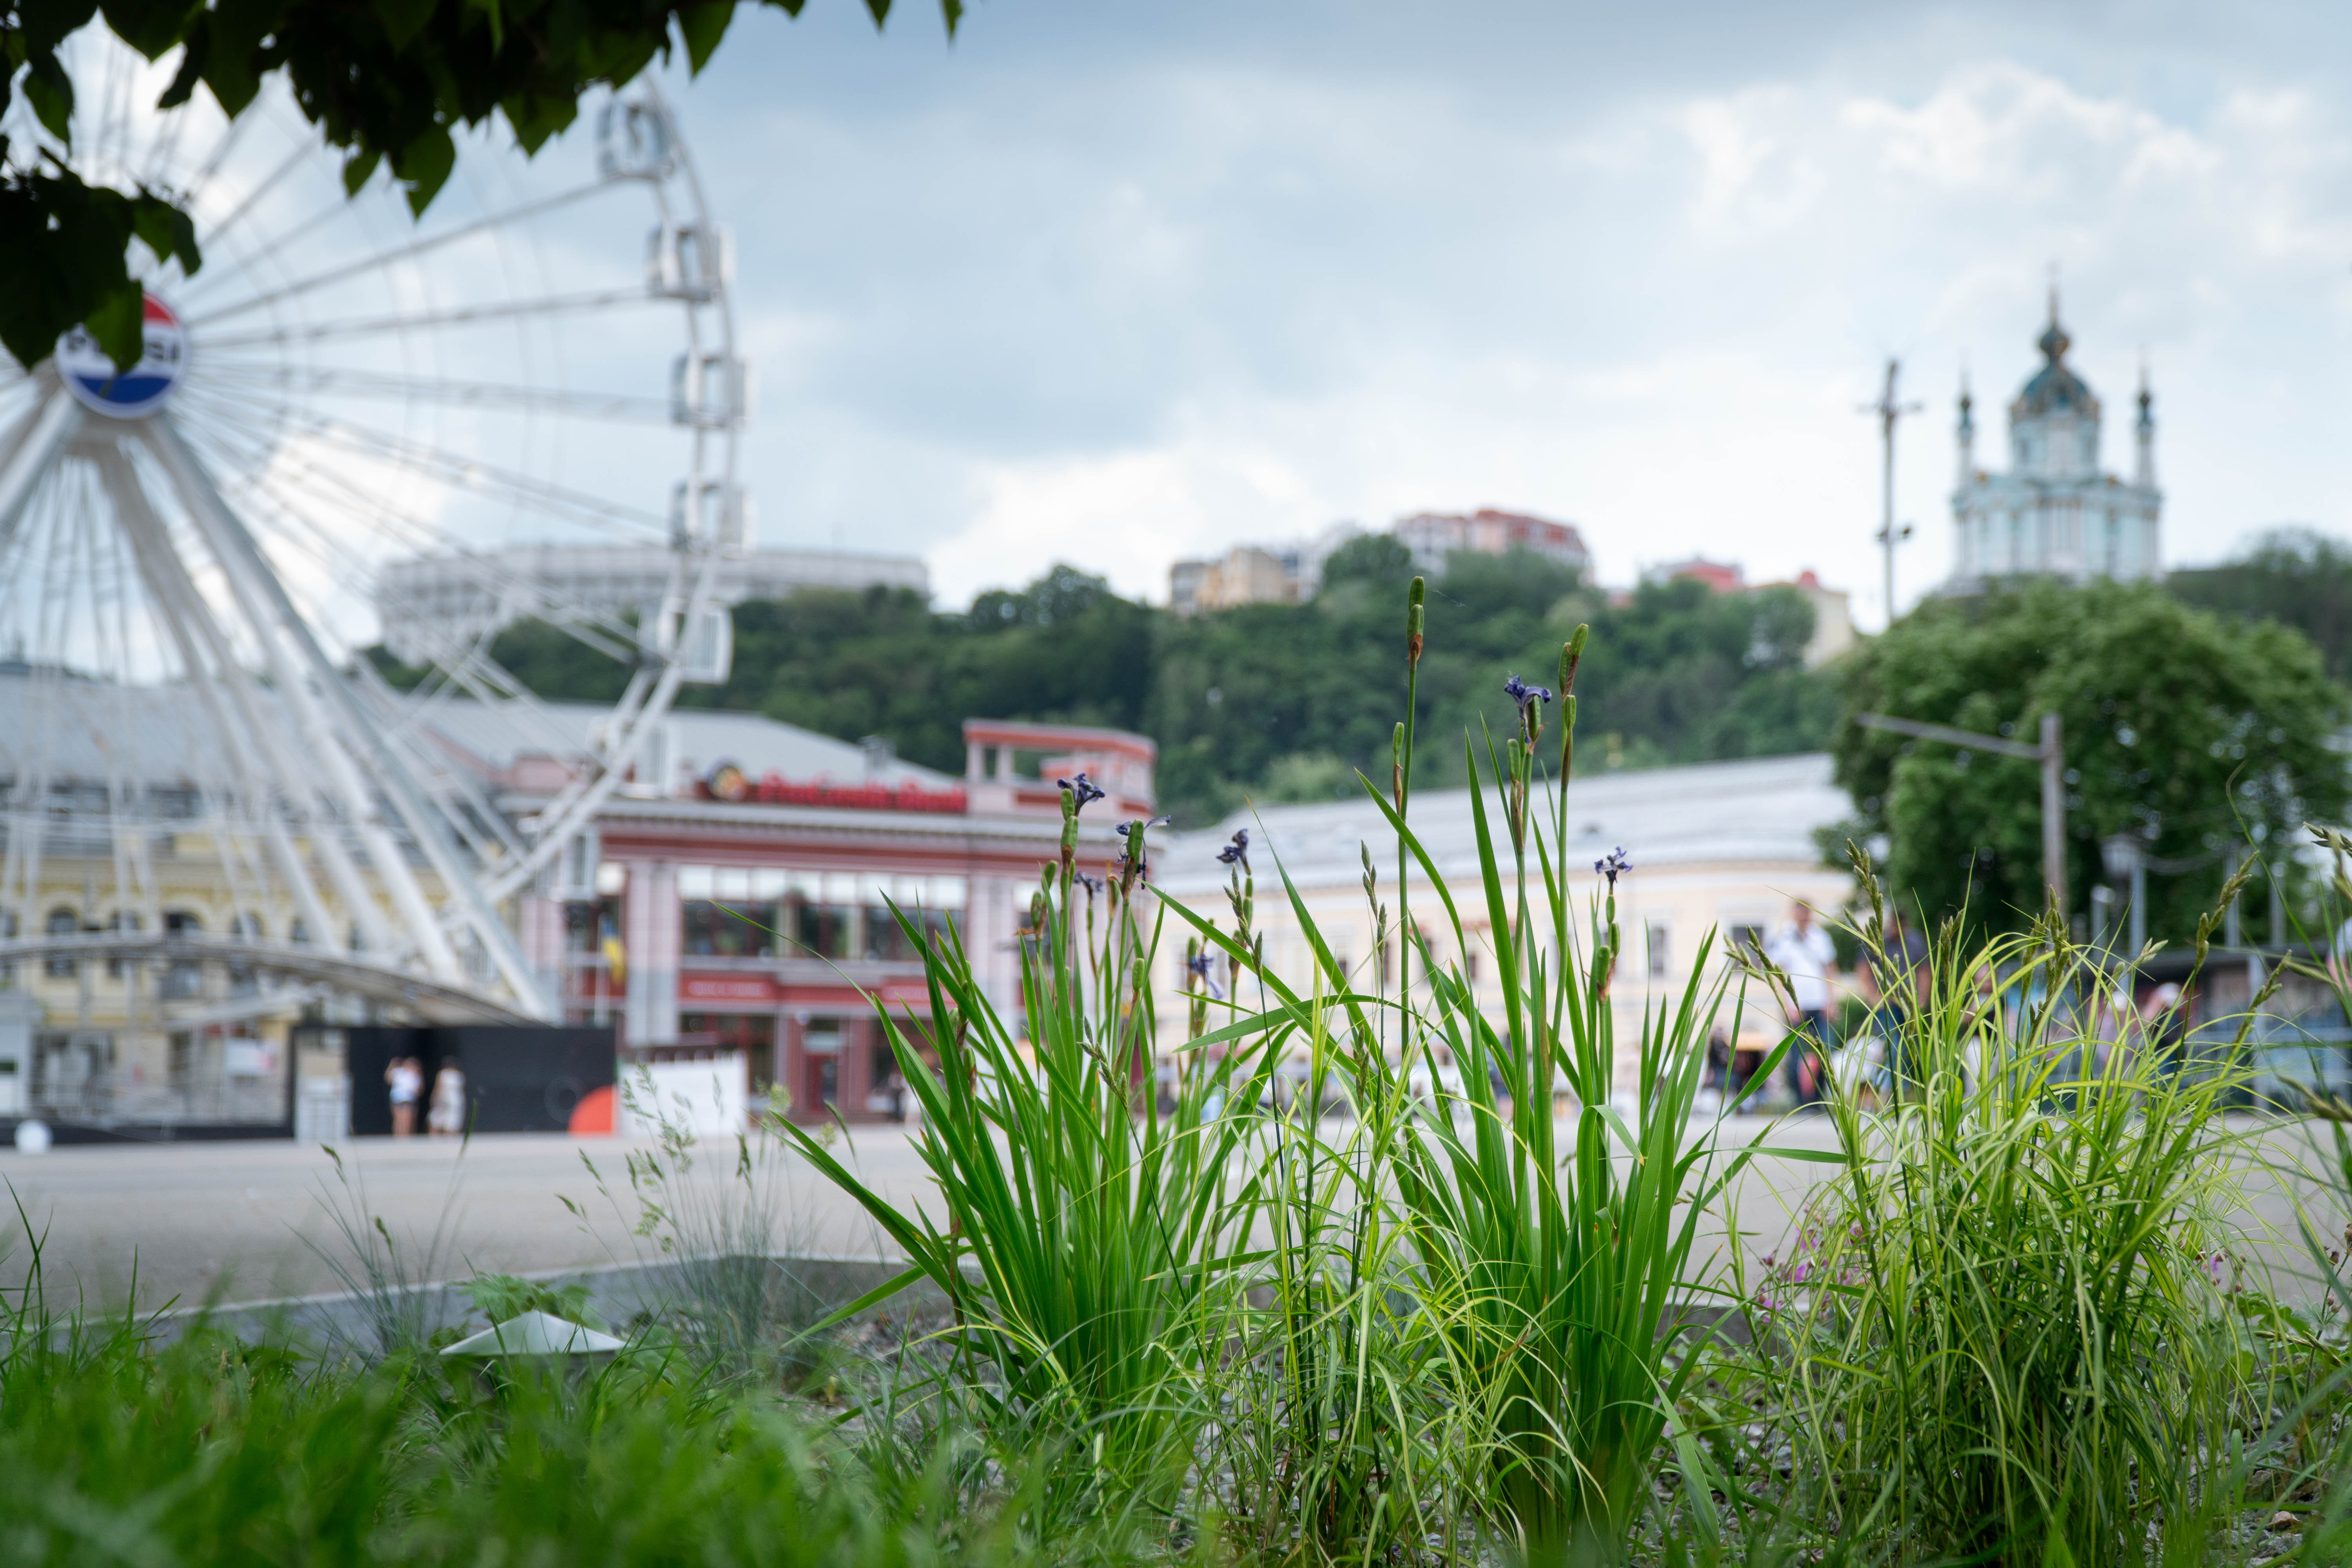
[753, 1033]
[886, 1088]
[731, 911]
[821, 1045]
[730, 930]
[588, 924]
[1661, 935]
[120, 921]
[242, 981]
[926, 902]
[62, 923]
[185, 977]
[821, 910]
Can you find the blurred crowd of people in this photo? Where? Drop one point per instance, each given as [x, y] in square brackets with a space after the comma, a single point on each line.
[1866, 1060]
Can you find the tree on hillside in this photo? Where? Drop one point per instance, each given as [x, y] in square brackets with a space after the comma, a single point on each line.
[1248, 702]
[387, 81]
[2297, 576]
[1262, 703]
[2194, 732]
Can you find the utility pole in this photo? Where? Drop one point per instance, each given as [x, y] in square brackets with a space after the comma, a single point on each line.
[2051, 753]
[1888, 410]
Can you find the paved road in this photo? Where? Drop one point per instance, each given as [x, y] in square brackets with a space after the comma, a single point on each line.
[246, 1221]
[250, 1221]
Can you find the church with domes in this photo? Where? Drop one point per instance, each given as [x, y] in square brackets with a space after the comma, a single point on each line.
[2055, 514]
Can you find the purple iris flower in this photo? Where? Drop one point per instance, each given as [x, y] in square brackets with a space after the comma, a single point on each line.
[1204, 965]
[1237, 852]
[1083, 787]
[1521, 692]
[1613, 865]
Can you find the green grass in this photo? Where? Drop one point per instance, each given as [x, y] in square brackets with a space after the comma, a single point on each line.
[2011, 1328]
[212, 1452]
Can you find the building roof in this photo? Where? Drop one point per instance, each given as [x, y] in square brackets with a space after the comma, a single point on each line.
[2054, 388]
[1760, 811]
[704, 738]
[66, 727]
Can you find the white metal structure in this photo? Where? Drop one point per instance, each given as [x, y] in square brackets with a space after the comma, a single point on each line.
[191, 554]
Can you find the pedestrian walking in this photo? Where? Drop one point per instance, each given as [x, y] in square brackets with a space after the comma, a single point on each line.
[1801, 950]
[405, 1079]
[447, 1118]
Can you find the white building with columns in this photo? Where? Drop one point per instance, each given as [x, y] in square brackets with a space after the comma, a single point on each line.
[2055, 513]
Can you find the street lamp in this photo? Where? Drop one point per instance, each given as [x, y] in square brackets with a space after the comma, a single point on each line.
[2051, 753]
[2126, 858]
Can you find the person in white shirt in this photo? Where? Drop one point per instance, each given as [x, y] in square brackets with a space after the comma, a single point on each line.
[445, 1117]
[1801, 950]
[405, 1078]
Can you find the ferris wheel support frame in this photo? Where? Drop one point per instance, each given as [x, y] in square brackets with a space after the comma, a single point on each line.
[250, 576]
[39, 437]
[223, 685]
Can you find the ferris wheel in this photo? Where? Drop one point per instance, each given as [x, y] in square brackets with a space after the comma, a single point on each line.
[343, 402]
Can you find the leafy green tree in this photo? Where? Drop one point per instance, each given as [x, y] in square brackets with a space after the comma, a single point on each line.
[2192, 731]
[1263, 702]
[2297, 576]
[387, 81]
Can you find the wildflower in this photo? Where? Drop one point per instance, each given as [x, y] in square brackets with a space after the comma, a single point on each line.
[1131, 863]
[1237, 852]
[1083, 788]
[1088, 883]
[1612, 865]
[1521, 692]
[1204, 966]
[2213, 1269]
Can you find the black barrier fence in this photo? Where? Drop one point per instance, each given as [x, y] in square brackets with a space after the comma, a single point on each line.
[518, 1079]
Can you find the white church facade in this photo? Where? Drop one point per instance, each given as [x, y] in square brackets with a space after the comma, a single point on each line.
[2055, 513]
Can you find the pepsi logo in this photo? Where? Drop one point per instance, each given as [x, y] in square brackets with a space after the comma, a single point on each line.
[98, 386]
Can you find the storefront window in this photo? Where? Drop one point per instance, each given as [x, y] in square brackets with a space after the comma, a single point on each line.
[928, 902]
[588, 924]
[821, 1042]
[822, 909]
[731, 911]
[753, 1033]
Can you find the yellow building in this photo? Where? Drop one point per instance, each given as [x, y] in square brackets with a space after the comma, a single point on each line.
[1720, 847]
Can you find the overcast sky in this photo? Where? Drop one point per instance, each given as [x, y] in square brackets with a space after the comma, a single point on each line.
[1114, 283]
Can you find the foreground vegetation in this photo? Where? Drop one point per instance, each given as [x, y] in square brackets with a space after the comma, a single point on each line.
[2012, 1320]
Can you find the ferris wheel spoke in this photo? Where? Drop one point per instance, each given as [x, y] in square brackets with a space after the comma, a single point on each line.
[219, 156]
[629, 524]
[253, 197]
[398, 253]
[601, 632]
[621, 406]
[471, 473]
[458, 316]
